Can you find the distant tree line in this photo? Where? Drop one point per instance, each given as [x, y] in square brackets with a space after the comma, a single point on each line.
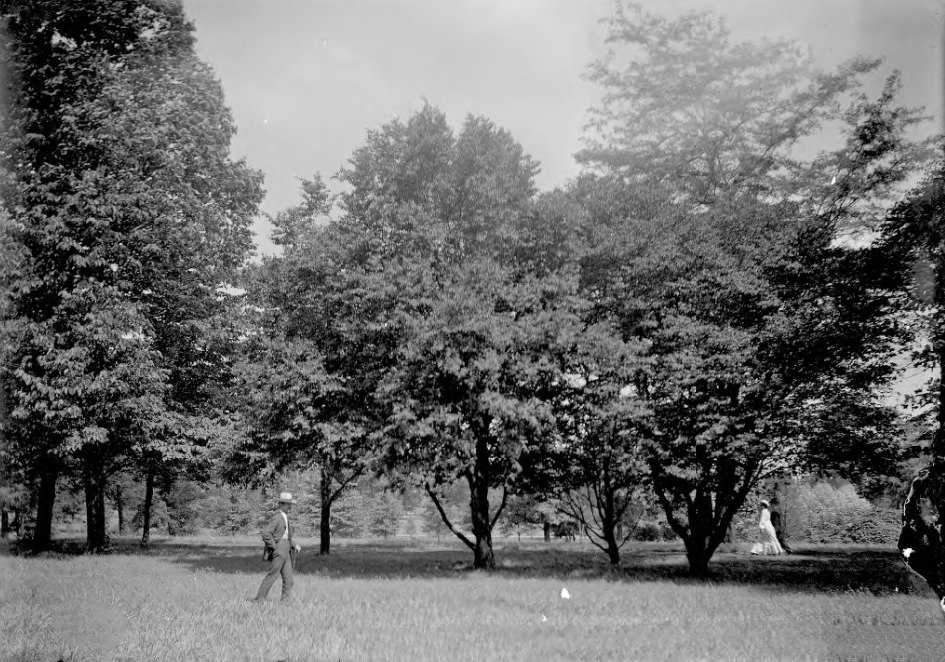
[710, 303]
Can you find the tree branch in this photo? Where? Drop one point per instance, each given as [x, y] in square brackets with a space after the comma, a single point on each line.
[505, 496]
[446, 520]
[354, 474]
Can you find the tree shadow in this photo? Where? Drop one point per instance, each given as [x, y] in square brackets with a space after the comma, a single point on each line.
[876, 570]
[817, 569]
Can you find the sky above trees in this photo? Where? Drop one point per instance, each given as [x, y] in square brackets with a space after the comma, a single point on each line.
[306, 80]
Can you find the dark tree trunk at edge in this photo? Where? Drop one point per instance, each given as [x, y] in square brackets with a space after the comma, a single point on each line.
[324, 523]
[146, 513]
[120, 507]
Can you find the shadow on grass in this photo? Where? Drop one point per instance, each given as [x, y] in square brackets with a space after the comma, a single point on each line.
[875, 570]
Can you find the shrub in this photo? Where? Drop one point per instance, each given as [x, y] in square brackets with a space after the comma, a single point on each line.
[881, 528]
[646, 531]
[822, 513]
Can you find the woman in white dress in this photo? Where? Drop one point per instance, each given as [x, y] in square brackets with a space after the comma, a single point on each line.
[769, 538]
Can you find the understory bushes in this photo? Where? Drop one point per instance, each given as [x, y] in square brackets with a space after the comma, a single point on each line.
[824, 511]
[813, 511]
[652, 531]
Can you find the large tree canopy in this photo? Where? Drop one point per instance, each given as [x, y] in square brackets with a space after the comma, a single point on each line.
[721, 247]
[441, 216]
[131, 215]
[316, 346]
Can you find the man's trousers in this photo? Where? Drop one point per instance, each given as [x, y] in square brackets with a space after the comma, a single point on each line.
[281, 564]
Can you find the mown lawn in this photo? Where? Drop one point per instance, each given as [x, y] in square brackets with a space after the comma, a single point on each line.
[190, 600]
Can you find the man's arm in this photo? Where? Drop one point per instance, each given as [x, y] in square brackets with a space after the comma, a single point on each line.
[269, 534]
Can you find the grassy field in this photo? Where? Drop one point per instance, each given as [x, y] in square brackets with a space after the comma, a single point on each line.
[408, 600]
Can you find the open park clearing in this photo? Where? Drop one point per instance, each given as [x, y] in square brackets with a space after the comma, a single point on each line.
[400, 600]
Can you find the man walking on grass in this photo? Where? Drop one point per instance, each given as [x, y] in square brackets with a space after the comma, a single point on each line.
[279, 549]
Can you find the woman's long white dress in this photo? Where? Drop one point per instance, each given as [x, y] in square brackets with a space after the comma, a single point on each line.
[769, 539]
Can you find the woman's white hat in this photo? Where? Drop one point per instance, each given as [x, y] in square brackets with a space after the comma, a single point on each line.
[286, 497]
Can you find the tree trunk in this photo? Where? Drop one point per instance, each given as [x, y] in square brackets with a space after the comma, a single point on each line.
[608, 518]
[42, 534]
[120, 506]
[324, 520]
[146, 519]
[613, 547]
[698, 557]
[703, 528]
[703, 538]
[96, 532]
[4, 524]
[546, 528]
[483, 555]
[699, 548]
[613, 555]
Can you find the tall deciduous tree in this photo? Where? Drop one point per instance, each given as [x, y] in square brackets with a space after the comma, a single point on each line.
[440, 216]
[598, 463]
[730, 262]
[131, 215]
[320, 344]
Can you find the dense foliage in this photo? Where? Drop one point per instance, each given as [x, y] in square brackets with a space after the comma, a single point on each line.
[704, 306]
[771, 336]
[129, 215]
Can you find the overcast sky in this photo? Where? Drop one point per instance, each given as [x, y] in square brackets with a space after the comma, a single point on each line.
[306, 79]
